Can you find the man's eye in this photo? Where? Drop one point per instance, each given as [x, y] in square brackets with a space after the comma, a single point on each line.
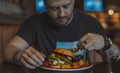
[54, 8]
[66, 6]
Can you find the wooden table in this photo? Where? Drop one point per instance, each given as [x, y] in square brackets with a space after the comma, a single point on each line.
[103, 67]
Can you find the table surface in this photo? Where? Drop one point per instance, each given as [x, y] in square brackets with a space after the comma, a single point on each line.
[102, 67]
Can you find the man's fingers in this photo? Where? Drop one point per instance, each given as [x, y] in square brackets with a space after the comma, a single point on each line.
[92, 41]
[84, 38]
[88, 44]
[91, 48]
[34, 57]
[27, 65]
[41, 56]
[29, 59]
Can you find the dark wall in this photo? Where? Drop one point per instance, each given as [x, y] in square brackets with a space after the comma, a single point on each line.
[111, 2]
[80, 6]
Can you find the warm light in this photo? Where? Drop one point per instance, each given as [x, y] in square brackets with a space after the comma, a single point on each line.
[111, 12]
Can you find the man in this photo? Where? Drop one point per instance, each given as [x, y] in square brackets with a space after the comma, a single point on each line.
[60, 27]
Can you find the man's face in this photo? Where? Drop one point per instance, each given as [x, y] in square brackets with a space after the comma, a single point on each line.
[60, 11]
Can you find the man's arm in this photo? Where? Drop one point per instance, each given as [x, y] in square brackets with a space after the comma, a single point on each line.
[18, 51]
[97, 42]
[113, 52]
[16, 44]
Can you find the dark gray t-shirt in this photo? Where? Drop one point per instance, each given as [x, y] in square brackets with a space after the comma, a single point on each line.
[38, 31]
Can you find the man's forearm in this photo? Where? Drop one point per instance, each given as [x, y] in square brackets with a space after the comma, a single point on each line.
[113, 51]
[16, 44]
[9, 53]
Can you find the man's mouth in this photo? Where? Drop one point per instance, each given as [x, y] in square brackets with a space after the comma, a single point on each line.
[62, 19]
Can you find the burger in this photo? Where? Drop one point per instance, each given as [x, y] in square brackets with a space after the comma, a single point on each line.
[60, 57]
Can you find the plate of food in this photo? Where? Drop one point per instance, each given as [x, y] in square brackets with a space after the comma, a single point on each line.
[64, 60]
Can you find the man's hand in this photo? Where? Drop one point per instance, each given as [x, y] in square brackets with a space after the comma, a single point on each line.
[92, 41]
[30, 58]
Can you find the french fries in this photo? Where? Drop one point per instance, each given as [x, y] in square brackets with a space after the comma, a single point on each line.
[74, 65]
[66, 66]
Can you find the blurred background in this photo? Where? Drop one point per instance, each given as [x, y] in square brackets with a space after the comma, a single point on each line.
[14, 12]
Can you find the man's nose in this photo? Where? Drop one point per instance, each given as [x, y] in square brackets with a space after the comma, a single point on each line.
[61, 12]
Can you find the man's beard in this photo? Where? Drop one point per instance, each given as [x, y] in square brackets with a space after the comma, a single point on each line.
[68, 20]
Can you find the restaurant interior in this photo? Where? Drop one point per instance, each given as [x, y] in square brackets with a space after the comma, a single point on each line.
[14, 12]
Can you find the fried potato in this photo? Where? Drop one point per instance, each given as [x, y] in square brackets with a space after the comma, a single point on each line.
[66, 66]
[81, 63]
